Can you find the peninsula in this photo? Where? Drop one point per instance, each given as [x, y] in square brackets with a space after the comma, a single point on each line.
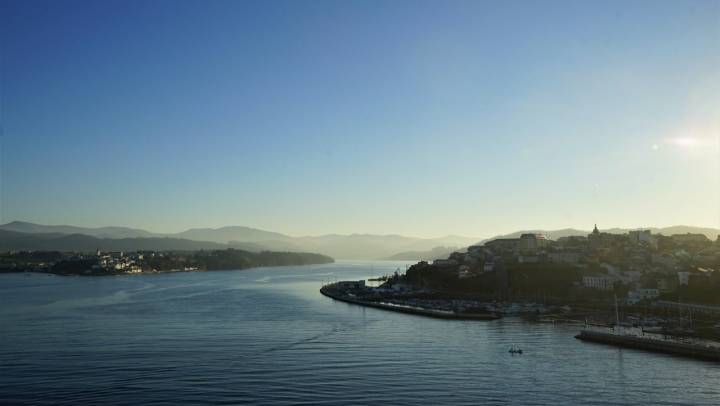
[116, 263]
[665, 284]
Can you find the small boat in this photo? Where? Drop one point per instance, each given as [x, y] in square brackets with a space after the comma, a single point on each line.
[515, 350]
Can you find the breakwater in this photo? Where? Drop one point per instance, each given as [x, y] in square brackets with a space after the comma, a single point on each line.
[441, 314]
[692, 350]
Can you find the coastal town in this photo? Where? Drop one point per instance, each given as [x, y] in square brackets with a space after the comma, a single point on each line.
[118, 263]
[639, 267]
[669, 283]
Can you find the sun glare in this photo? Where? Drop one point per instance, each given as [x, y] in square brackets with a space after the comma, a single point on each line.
[694, 139]
[684, 141]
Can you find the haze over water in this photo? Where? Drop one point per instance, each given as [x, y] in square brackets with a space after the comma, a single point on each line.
[267, 336]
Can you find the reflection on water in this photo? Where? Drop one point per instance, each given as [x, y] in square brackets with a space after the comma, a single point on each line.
[267, 336]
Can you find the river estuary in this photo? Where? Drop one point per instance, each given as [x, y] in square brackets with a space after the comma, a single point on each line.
[267, 336]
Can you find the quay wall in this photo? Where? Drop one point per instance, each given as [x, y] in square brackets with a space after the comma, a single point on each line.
[668, 347]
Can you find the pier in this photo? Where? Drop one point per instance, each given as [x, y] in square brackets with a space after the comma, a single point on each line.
[331, 292]
[692, 348]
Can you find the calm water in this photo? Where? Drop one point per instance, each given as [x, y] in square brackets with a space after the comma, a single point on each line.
[266, 336]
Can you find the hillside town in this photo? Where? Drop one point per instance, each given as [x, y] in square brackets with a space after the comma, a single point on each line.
[643, 264]
[640, 265]
[671, 282]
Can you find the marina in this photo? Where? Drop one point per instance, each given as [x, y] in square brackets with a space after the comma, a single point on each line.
[617, 335]
[640, 338]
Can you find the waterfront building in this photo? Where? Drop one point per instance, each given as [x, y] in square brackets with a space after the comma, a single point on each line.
[351, 284]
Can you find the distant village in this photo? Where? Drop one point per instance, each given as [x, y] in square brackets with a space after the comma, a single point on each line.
[114, 263]
[100, 263]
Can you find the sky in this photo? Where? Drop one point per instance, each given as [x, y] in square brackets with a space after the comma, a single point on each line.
[421, 118]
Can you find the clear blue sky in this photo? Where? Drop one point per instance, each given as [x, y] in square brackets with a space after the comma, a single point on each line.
[307, 117]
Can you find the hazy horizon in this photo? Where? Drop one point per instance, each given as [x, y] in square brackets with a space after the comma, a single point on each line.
[478, 236]
[416, 118]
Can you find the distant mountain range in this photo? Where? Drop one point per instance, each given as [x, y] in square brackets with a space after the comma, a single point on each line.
[26, 236]
[100, 232]
[29, 236]
[15, 241]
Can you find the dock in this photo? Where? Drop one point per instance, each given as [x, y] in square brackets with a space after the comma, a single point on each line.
[690, 349]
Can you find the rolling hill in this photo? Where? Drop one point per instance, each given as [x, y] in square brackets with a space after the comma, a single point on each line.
[353, 246]
[15, 241]
[99, 232]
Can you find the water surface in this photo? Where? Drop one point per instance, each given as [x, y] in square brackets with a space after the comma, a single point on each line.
[266, 336]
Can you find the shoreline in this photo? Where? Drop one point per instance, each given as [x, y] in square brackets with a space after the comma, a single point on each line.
[438, 314]
[149, 272]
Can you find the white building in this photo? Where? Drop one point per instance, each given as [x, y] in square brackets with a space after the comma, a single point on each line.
[602, 282]
[683, 278]
[639, 295]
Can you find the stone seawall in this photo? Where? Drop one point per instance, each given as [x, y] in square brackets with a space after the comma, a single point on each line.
[649, 344]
